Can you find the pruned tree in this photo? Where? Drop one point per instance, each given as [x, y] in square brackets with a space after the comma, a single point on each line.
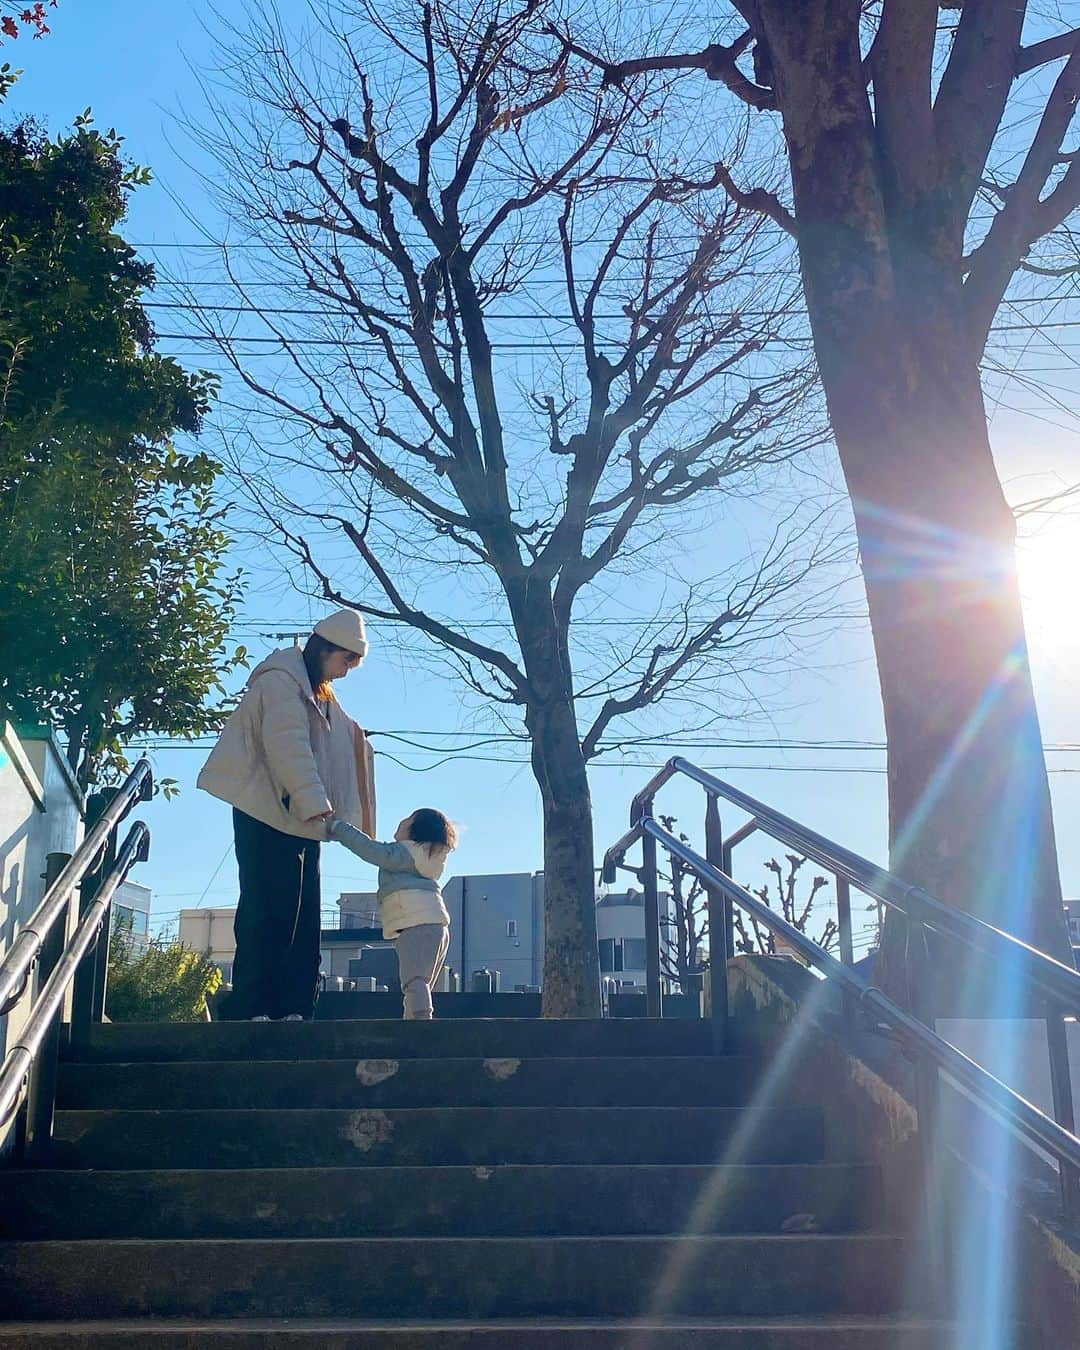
[432, 176]
[684, 929]
[930, 161]
[752, 936]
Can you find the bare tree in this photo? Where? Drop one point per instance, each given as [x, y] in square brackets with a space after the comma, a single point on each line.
[794, 908]
[684, 929]
[684, 947]
[433, 176]
[930, 162]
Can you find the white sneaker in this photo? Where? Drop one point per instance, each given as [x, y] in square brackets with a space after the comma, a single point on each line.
[260, 1019]
[293, 1017]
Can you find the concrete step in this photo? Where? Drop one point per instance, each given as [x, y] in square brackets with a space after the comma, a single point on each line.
[460, 1136]
[437, 1201]
[346, 1006]
[341, 1083]
[458, 1277]
[520, 1038]
[824, 1333]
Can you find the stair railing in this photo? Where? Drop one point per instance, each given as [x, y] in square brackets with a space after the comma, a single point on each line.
[1055, 983]
[87, 881]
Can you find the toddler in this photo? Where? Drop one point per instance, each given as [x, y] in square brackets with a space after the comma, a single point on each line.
[410, 900]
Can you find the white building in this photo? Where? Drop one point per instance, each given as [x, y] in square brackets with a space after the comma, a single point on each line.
[131, 906]
[210, 931]
[620, 929]
[41, 810]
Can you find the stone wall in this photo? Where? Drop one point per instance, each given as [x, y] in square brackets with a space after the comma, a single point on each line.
[41, 811]
[989, 1214]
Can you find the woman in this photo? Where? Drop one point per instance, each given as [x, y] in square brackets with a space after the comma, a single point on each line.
[288, 758]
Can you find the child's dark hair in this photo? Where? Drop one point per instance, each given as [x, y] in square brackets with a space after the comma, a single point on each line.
[431, 827]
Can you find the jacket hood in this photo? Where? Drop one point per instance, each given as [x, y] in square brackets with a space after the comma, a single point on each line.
[291, 661]
[428, 864]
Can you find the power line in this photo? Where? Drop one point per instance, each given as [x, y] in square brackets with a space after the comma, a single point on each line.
[259, 310]
[188, 307]
[674, 741]
[372, 344]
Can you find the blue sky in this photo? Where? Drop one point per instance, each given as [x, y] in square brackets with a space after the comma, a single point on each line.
[134, 66]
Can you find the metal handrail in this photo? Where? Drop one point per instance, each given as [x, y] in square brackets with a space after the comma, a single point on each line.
[932, 1054]
[15, 1073]
[18, 964]
[989, 1092]
[1053, 978]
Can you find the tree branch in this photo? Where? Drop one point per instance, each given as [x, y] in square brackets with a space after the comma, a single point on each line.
[970, 104]
[1050, 49]
[717, 62]
[416, 618]
[758, 199]
[1026, 216]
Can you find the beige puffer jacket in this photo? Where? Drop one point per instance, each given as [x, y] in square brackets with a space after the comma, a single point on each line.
[279, 759]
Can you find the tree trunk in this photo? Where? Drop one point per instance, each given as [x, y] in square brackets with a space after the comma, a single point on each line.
[571, 956]
[969, 802]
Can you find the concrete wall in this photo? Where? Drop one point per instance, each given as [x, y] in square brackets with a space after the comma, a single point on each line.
[40, 813]
[358, 909]
[1015, 1051]
[210, 931]
[482, 910]
[995, 1206]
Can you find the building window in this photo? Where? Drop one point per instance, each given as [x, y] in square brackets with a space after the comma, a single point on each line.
[511, 928]
[611, 955]
[633, 954]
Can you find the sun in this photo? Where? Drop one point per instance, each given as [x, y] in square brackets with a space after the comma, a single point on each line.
[1048, 563]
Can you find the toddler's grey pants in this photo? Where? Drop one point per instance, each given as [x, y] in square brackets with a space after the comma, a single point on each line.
[421, 952]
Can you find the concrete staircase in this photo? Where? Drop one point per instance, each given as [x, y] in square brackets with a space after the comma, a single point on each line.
[525, 1185]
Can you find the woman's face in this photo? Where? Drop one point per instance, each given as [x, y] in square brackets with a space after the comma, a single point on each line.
[338, 663]
[401, 834]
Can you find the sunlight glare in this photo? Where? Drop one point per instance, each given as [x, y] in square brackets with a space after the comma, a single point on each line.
[1048, 563]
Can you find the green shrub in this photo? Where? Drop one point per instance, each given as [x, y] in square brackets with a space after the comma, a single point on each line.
[163, 983]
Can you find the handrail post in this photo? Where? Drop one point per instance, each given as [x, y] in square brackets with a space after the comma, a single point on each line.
[936, 1219]
[726, 854]
[934, 1198]
[650, 884]
[1061, 1088]
[41, 1098]
[844, 935]
[86, 1006]
[719, 909]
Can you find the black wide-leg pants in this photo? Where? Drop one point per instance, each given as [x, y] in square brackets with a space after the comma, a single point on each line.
[277, 927]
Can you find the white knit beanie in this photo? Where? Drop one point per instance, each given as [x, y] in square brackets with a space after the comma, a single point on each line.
[344, 629]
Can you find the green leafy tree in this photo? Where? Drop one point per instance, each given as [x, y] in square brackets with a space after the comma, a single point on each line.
[114, 601]
[76, 344]
[114, 606]
[163, 983]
